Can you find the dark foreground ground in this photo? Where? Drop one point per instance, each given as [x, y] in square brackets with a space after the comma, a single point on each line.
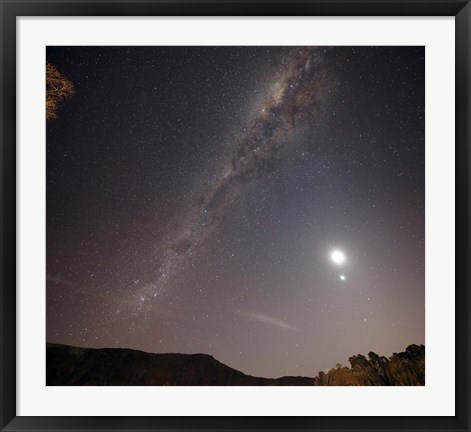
[72, 366]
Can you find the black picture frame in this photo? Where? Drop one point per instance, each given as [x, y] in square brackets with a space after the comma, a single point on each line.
[10, 9]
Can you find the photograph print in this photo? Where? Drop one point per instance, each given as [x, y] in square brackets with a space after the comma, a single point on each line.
[235, 215]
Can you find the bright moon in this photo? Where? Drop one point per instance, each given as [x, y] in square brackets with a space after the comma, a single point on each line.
[342, 277]
[337, 257]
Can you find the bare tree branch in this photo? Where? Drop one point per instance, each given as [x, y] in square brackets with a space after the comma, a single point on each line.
[58, 88]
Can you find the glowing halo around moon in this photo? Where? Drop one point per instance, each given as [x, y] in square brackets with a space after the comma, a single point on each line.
[337, 257]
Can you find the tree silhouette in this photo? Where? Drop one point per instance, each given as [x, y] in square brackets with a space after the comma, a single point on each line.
[58, 88]
[406, 368]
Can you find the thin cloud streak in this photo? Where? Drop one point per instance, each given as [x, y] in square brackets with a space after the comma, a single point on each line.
[61, 281]
[272, 321]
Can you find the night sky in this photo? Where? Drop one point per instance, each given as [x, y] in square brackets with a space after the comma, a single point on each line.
[264, 205]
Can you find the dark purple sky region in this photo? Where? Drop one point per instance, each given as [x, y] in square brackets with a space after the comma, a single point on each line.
[195, 195]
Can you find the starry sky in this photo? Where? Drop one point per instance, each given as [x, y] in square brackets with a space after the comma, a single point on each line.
[264, 205]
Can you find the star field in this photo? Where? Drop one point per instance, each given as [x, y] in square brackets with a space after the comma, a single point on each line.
[264, 205]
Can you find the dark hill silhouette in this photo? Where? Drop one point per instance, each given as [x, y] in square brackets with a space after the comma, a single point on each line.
[67, 365]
